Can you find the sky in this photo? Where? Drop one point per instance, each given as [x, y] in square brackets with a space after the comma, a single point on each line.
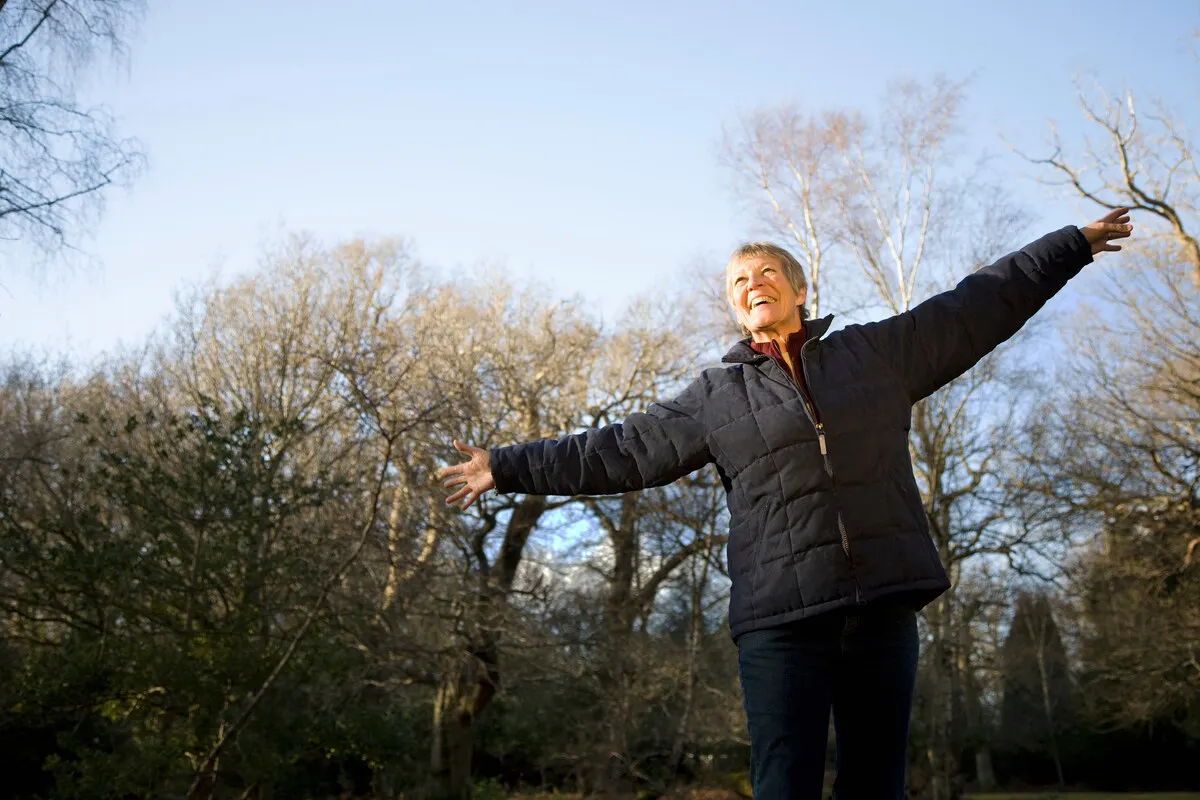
[571, 144]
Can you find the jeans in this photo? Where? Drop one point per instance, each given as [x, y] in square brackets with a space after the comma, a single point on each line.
[860, 662]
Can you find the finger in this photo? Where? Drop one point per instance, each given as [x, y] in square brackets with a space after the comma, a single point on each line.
[471, 497]
[453, 469]
[1111, 248]
[459, 495]
[457, 480]
[1112, 215]
[462, 448]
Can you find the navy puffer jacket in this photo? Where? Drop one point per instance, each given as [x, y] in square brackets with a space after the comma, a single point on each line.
[822, 515]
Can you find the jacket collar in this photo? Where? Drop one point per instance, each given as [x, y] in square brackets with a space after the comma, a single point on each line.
[742, 353]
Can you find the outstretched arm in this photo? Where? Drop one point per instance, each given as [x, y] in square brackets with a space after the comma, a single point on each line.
[652, 448]
[946, 335]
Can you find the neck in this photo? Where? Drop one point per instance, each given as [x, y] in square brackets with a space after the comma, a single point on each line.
[779, 332]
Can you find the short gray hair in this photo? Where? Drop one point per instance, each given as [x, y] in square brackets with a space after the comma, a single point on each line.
[792, 270]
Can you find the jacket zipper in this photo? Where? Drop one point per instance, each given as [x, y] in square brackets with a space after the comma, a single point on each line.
[829, 467]
[810, 412]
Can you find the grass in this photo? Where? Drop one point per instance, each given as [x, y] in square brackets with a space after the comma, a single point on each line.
[1088, 796]
[718, 794]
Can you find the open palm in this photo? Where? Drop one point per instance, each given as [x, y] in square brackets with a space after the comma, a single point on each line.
[471, 478]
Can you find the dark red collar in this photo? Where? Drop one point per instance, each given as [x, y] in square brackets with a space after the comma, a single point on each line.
[795, 341]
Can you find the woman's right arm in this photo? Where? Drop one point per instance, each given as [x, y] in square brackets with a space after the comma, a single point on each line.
[650, 448]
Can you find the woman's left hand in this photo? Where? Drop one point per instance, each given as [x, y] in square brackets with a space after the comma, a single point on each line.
[1113, 225]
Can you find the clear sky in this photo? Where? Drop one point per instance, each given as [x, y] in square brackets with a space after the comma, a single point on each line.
[568, 142]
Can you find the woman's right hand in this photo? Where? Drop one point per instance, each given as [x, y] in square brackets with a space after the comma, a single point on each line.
[473, 476]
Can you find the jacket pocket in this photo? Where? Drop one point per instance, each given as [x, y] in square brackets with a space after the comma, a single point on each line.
[911, 499]
[740, 549]
[745, 545]
[760, 534]
[916, 511]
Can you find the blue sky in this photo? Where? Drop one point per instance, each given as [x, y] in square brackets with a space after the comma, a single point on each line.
[568, 143]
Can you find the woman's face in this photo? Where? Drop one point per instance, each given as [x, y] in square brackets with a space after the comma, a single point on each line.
[761, 294]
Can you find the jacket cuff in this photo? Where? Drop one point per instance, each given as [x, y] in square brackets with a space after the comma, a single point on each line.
[1079, 251]
[1058, 256]
[497, 464]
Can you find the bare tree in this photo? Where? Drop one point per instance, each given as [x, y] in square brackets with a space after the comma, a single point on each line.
[536, 370]
[1146, 161]
[1114, 454]
[58, 155]
[308, 348]
[1113, 466]
[781, 156]
[1143, 160]
[983, 609]
[704, 518]
[649, 357]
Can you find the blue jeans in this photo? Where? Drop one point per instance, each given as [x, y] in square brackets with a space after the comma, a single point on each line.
[860, 662]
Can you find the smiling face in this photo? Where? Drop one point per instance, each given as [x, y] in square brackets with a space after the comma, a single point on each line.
[763, 298]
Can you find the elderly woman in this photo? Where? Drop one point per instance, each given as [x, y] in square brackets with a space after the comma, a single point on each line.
[829, 552]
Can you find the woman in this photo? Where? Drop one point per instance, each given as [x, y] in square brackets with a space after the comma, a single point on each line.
[829, 551]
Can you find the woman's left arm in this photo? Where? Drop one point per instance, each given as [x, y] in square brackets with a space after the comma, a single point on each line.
[941, 338]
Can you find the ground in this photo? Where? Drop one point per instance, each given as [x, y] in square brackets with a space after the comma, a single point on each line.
[1088, 796]
[720, 794]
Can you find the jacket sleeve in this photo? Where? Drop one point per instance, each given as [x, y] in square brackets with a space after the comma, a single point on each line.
[943, 337]
[650, 448]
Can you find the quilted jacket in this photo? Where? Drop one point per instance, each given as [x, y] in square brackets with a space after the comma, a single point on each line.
[823, 514]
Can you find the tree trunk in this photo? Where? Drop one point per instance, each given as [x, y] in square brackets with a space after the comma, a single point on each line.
[930, 457]
[985, 773]
[399, 499]
[619, 614]
[977, 729]
[468, 688]
[472, 680]
[1047, 704]
[436, 760]
[939, 752]
[695, 632]
[459, 731]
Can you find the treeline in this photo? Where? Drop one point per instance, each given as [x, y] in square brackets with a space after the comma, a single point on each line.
[226, 569]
